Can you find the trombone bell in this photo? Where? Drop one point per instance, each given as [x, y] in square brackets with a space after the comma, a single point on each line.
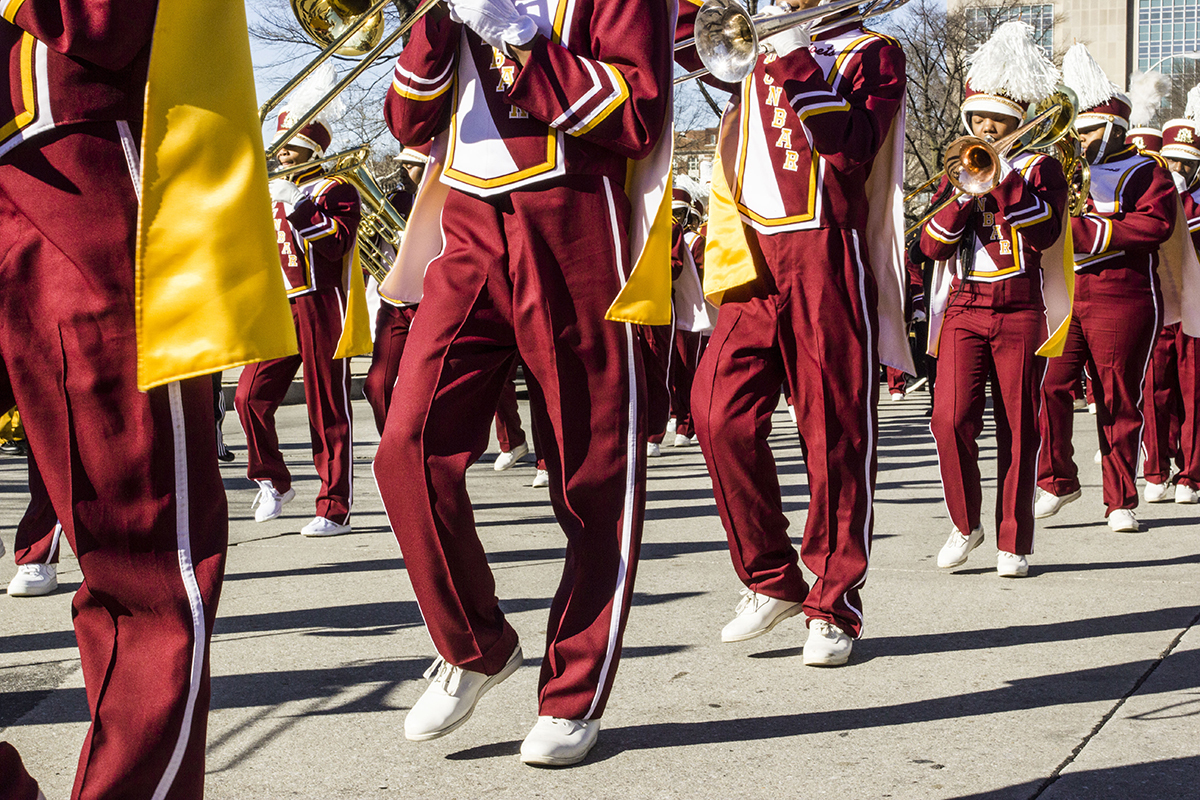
[326, 20]
[726, 40]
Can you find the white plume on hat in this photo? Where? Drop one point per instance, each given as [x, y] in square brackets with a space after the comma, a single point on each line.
[689, 185]
[309, 93]
[1085, 76]
[1010, 63]
[1146, 91]
[1193, 103]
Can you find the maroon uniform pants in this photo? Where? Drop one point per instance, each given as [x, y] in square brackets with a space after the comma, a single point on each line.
[319, 318]
[1161, 438]
[657, 358]
[391, 332]
[519, 276]
[808, 322]
[38, 532]
[683, 374]
[133, 474]
[509, 433]
[1113, 338]
[977, 343]
[896, 380]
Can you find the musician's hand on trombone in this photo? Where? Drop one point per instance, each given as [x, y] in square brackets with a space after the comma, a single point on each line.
[284, 191]
[498, 22]
[788, 40]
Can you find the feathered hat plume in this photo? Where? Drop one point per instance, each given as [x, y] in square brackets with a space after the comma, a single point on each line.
[1146, 91]
[318, 134]
[1193, 103]
[1087, 78]
[1012, 64]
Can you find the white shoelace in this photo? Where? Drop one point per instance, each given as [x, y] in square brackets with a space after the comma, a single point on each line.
[265, 495]
[444, 673]
[750, 599]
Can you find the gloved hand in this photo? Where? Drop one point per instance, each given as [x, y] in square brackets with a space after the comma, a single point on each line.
[284, 191]
[1180, 182]
[496, 21]
[787, 41]
[918, 315]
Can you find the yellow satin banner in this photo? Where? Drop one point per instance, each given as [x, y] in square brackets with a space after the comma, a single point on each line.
[356, 329]
[645, 299]
[1058, 290]
[728, 258]
[209, 291]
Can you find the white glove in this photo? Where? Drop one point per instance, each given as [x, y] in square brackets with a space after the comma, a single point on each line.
[787, 41]
[918, 316]
[1180, 182]
[496, 21]
[284, 191]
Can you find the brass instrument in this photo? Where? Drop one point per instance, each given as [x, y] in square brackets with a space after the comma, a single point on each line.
[973, 164]
[381, 225]
[727, 37]
[342, 27]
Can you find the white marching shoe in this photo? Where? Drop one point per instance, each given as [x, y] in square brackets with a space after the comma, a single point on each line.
[1048, 504]
[33, 580]
[682, 441]
[556, 742]
[451, 697]
[653, 450]
[321, 526]
[757, 614]
[1011, 565]
[1122, 520]
[268, 504]
[956, 549]
[827, 645]
[1157, 493]
[541, 479]
[672, 423]
[506, 460]
[1185, 495]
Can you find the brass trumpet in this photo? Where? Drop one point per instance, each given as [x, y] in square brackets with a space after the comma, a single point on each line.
[727, 37]
[973, 164]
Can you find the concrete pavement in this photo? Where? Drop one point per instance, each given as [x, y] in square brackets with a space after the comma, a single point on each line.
[1080, 681]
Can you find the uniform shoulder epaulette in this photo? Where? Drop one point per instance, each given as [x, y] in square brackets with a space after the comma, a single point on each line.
[883, 36]
[1156, 158]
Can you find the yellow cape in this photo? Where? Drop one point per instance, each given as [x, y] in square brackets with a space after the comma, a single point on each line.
[209, 292]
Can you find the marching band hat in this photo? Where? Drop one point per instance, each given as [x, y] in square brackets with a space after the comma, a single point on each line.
[411, 155]
[316, 136]
[1101, 102]
[1145, 139]
[1008, 72]
[1181, 140]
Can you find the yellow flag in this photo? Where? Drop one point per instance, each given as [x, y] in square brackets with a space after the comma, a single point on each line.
[209, 291]
[1058, 290]
[356, 329]
[728, 258]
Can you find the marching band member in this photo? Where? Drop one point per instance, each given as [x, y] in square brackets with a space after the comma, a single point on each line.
[688, 207]
[808, 153]
[1173, 426]
[989, 317]
[1118, 305]
[538, 112]
[316, 217]
[38, 542]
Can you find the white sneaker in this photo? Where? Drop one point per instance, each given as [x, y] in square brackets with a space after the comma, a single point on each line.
[1122, 520]
[506, 460]
[827, 645]
[451, 697]
[956, 549]
[320, 526]
[1099, 457]
[556, 742]
[541, 480]
[1185, 495]
[1078, 403]
[653, 450]
[1011, 565]
[792, 413]
[897, 397]
[33, 580]
[1091, 408]
[268, 504]
[1048, 504]
[672, 423]
[756, 614]
[682, 441]
[1157, 493]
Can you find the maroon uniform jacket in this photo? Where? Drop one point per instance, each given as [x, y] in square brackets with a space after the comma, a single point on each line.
[317, 238]
[82, 61]
[1130, 214]
[997, 239]
[805, 129]
[1191, 209]
[589, 98]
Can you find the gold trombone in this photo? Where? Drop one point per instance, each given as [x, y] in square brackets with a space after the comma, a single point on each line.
[972, 164]
[727, 37]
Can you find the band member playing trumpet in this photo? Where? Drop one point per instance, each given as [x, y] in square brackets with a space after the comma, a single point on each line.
[316, 218]
[806, 155]
[988, 313]
[1118, 308]
[540, 112]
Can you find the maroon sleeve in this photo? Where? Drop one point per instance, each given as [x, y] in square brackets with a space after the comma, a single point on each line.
[421, 97]
[1191, 210]
[849, 121]
[678, 250]
[941, 235]
[107, 33]
[329, 219]
[698, 252]
[1034, 202]
[1144, 220]
[617, 97]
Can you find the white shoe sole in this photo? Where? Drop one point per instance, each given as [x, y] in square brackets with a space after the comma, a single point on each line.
[284, 499]
[1066, 498]
[555, 761]
[509, 669]
[780, 617]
